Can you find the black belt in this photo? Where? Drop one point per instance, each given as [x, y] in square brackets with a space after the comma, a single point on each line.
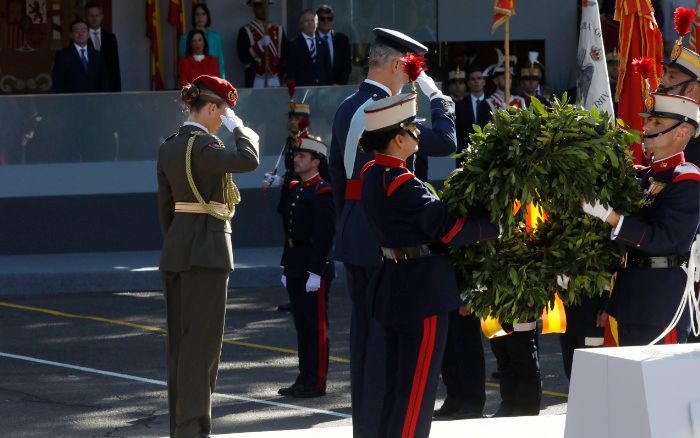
[295, 243]
[662, 262]
[409, 252]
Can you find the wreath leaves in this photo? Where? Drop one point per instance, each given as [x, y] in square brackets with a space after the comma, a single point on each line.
[554, 158]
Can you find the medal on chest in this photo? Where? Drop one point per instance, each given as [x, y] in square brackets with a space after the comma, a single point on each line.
[655, 187]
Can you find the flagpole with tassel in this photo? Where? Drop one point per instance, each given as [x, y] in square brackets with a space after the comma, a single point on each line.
[507, 50]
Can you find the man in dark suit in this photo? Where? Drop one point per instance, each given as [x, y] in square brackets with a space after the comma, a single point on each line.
[309, 60]
[78, 68]
[338, 45]
[104, 42]
[472, 110]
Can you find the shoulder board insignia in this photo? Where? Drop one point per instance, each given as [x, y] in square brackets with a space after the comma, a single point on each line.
[686, 171]
[171, 136]
[322, 188]
[215, 145]
[400, 179]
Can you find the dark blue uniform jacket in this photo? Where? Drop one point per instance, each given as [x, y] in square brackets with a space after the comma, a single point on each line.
[405, 213]
[666, 225]
[356, 243]
[309, 219]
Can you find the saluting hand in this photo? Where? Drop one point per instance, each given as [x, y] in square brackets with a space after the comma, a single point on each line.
[231, 120]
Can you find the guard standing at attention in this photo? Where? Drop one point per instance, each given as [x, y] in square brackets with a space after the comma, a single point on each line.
[648, 291]
[415, 286]
[196, 201]
[309, 218]
[356, 245]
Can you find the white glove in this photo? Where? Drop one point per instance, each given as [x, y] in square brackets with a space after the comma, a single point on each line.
[563, 281]
[313, 283]
[264, 42]
[231, 120]
[695, 252]
[284, 280]
[272, 180]
[597, 209]
[427, 86]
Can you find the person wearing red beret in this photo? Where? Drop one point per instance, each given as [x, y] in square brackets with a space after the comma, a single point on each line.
[196, 201]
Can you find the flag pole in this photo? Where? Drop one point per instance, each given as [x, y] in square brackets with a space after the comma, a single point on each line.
[507, 72]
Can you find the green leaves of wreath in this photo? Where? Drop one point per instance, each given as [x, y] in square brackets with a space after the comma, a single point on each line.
[555, 158]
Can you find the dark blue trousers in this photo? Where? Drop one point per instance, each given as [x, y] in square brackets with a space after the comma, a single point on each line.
[310, 311]
[637, 334]
[463, 367]
[413, 357]
[367, 353]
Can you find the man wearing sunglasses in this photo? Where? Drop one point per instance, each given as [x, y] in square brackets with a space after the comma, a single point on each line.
[338, 44]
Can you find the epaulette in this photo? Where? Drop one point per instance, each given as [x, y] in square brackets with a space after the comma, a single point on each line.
[366, 167]
[293, 183]
[322, 187]
[686, 171]
[397, 178]
[171, 136]
[640, 169]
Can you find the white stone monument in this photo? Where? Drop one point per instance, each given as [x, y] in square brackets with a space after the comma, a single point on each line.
[635, 392]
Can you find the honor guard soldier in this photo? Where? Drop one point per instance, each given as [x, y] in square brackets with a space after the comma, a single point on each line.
[658, 238]
[497, 73]
[415, 286]
[261, 48]
[456, 84]
[356, 245]
[682, 76]
[309, 217]
[531, 76]
[196, 201]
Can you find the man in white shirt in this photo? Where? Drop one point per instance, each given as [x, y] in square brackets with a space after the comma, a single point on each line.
[338, 45]
[104, 42]
[309, 60]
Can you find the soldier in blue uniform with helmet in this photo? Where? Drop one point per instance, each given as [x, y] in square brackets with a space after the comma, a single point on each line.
[658, 240]
[309, 218]
[356, 244]
[682, 76]
[415, 286]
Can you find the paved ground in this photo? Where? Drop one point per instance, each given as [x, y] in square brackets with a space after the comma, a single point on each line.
[103, 373]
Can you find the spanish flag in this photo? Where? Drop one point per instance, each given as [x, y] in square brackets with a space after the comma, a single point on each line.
[695, 29]
[176, 16]
[640, 37]
[502, 10]
[153, 33]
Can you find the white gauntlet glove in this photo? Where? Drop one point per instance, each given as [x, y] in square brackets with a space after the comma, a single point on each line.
[563, 281]
[313, 283]
[284, 280]
[597, 209]
[264, 42]
[427, 86]
[231, 120]
[272, 180]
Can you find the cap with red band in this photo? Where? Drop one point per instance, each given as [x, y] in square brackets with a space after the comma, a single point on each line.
[221, 87]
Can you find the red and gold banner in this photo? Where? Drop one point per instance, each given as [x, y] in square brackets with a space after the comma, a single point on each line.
[695, 29]
[639, 37]
[176, 16]
[153, 33]
[502, 10]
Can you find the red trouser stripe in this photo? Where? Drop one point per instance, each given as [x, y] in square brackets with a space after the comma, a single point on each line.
[322, 336]
[671, 337]
[420, 377]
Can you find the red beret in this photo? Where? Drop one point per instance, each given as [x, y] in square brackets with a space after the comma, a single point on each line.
[221, 87]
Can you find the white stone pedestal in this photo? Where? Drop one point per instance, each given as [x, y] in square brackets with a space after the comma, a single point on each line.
[640, 392]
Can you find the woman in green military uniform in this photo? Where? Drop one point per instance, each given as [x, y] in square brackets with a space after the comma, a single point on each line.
[197, 198]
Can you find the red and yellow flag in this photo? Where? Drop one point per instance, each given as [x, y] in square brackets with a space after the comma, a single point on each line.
[695, 29]
[640, 37]
[153, 33]
[502, 10]
[176, 16]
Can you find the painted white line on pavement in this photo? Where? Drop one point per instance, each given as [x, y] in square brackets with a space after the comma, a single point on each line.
[163, 383]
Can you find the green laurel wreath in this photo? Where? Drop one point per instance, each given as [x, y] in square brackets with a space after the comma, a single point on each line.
[555, 158]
